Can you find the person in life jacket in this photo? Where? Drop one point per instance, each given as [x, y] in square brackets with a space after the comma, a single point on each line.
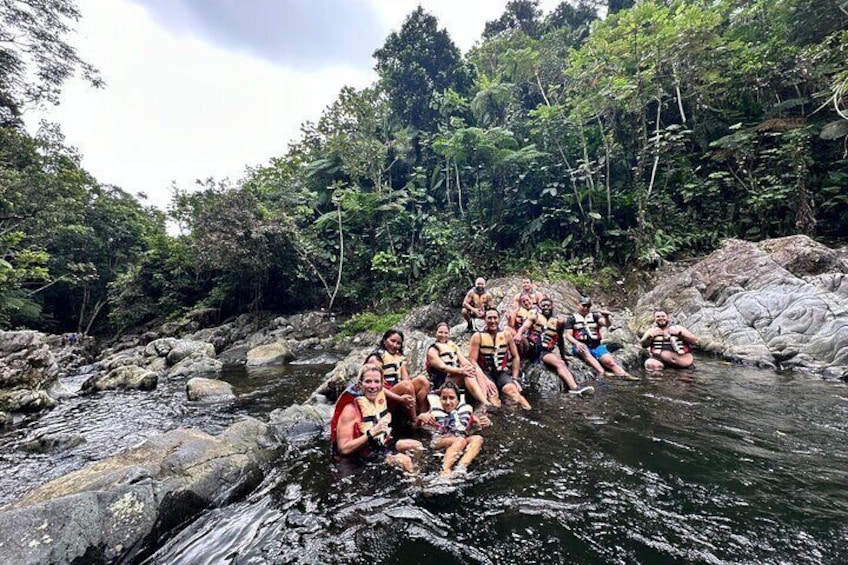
[583, 332]
[409, 395]
[515, 320]
[668, 344]
[452, 421]
[475, 303]
[529, 290]
[445, 362]
[549, 336]
[361, 424]
[493, 351]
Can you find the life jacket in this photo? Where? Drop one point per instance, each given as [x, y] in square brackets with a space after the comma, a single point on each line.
[457, 421]
[391, 366]
[494, 352]
[448, 353]
[520, 316]
[550, 335]
[665, 342]
[369, 415]
[478, 300]
[535, 333]
[586, 329]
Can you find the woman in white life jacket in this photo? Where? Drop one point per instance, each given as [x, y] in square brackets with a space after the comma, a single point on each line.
[452, 421]
[361, 424]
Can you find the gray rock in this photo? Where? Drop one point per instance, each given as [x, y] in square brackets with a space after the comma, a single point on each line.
[299, 422]
[27, 369]
[184, 349]
[105, 512]
[128, 377]
[209, 390]
[191, 366]
[270, 354]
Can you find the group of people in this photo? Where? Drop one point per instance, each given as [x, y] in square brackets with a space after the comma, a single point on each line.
[384, 399]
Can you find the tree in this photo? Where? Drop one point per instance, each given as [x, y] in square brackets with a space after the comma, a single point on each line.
[414, 64]
[518, 14]
[35, 57]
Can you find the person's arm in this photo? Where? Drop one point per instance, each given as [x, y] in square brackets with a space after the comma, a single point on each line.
[513, 351]
[648, 337]
[516, 301]
[426, 419]
[466, 302]
[687, 336]
[525, 327]
[603, 318]
[474, 351]
[466, 367]
[403, 373]
[345, 442]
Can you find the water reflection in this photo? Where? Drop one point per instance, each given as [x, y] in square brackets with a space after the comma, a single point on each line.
[737, 465]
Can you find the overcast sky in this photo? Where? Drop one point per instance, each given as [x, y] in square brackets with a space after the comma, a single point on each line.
[206, 88]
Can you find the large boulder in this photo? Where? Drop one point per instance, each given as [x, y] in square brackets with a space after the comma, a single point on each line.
[126, 377]
[27, 371]
[781, 303]
[111, 509]
[209, 390]
[269, 354]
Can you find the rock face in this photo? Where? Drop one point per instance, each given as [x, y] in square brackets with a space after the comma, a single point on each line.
[126, 377]
[209, 390]
[270, 354]
[110, 509]
[27, 371]
[779, 303]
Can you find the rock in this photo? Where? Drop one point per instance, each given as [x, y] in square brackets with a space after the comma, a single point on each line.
[270, 354]
[50, 443]
[27, 369]
[110, 509]
[300, 422]
[6, 420]
[780, 303]
[184, 348]
[127, 377]
[209, 390]
[235, 355]
[191, 366]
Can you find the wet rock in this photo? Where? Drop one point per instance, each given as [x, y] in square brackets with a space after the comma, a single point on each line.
[191, 366]
[107, 511]
[270, 354]
[300, 422]
[235, 355]
[209, 390]
[6, 420]
[127, 377]
[183, 349]
[27, 369]
[778, 303]
[51, 443]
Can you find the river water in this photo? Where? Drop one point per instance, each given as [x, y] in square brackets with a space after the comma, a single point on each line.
[724, 465]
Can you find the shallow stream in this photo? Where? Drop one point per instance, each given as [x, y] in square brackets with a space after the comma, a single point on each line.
[733, 465]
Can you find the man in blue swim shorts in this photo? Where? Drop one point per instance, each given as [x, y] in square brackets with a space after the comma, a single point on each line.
[583, 332]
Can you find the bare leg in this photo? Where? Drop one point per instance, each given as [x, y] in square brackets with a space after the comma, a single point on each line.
[556, 363]
[454, 447]
[472, 450]
[421, 385]
[474, 390]
[654, 365]
[488, 386]
[608, 361]
[511, 392]
[402, 388]
[403, 462]
[590, 360]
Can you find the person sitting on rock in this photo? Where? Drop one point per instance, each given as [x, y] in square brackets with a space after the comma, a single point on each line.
[452, 421]
[548, 335]
[529, 290]
[515, 319]
[492, 351]
[668, 344]
[410, 394]
[445, 362]
[361, 425]
[583, 332]
[475, 303]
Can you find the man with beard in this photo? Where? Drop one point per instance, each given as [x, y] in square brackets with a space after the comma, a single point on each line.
[493, 351]
[583, 332]
[668, 344]
[546, 332]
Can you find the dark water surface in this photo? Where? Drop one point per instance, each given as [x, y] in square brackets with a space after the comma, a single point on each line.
[739, 466]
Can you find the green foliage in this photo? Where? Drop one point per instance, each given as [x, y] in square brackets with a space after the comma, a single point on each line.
[370, 322]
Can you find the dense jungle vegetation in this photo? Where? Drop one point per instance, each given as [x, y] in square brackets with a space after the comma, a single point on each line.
[562, 145]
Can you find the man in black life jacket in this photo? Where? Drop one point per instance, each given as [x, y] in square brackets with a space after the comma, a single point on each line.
[475, 303]
[583, 332]
[668, 344]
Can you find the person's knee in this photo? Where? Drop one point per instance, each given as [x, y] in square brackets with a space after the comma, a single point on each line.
[653, 365]
[475, 441]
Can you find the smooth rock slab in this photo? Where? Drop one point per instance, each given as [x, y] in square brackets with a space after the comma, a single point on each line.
[269, 354]
[209, 390]
[127, 377]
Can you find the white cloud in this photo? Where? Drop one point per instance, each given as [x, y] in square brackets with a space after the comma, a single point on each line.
[176, 108]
